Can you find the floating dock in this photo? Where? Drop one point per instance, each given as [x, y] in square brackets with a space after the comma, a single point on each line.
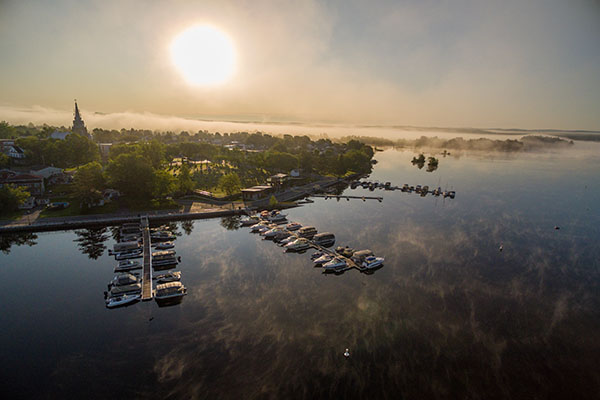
[147, 271]
[336, 196]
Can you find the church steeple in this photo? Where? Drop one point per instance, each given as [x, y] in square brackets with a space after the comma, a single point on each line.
[78, 124]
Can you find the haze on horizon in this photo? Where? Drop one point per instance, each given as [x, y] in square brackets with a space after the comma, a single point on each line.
[486, 64]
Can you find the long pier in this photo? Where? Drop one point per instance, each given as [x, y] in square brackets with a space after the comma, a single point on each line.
[336, 196]
[147, 271]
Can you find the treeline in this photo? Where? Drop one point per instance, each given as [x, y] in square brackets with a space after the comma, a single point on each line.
[526, 143]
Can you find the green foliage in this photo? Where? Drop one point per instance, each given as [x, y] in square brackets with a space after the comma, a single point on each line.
[184, 180]
[6, 131]
[88, 183]
[164, 184]
[230, 183]
[74, 150]
[11, 197]
[277, 161]
[132, 175]
[4, 161]
[273, 201]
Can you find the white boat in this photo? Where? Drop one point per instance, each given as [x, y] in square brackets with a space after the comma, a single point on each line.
[287, 240]
[164, 245]
[277, 218]
[298, 245]
[250, 221]
[255, 228]
[162, 236]
[372, 262]
[127, 265]
[307, 232]
[293, 226]
[317, 254]
[325, 258]
[281, 236]
[359, 256]
[325, 239]
[122, 300]
[270, 234]
[335, 264]
[169, 290]
[123, 279]
[123, 289]
[171, 276]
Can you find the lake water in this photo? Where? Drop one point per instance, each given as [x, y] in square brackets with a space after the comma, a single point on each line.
[448, 316]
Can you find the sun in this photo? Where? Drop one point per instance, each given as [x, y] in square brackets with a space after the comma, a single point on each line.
[204, 55]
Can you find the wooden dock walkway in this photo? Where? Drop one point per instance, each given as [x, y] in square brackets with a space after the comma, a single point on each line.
[335, 196]
[147, 271]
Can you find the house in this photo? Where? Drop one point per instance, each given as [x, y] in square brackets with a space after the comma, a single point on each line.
[45, 172]
[33, 183]
[256, 192]
[278, 179]
[8, 147]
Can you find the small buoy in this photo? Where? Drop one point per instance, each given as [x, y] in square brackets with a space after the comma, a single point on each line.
[501, 247]
[557, 227]
[151, 318]
[347, 353]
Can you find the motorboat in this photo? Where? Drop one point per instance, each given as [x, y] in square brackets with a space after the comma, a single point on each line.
[298, 245]
[279, 236]
[359, 256]
[451, 194]
[287, 240]
[162, 236]
[124, 289]
[325, 258]
[405, 188]
[164, 258]
[345, 251]
[126, 246]
[371, 262]
[127, 265]
[164, 245]
[293, 226]
[256, 227]
[123, 279]
[278, 217]
[125, 255]
[270, 234]
[424, 191]
[317, 254]
[437, 192]
[249, 221]
[169, 290]
[325, 239]
[171, 276]
[418, 189]
[307, 232]
[335, 264]
[122, 300]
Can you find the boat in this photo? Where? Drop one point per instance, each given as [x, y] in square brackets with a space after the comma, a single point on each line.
[279, 236]
[336, 264]
[271, 233]
[418, 189]
[405, 188]
[372, 262]
[287, 240]
[317, 254]
[123, 280]
[171, 276]
[293, 226]
[249, 221]
[345, 251]
[437, 192]
[122, 300]
[255, 228]
[125, 246]
[127, 265]
[164, 258]
[424, 191]
[451, 194]
[278, 217]
[298, 245]
[359, 256]
[169, 290]
[325, 239]
[124, 289]
[325, 258]
[164, 245]
[307, 232]
[125, 255]
[162, 236]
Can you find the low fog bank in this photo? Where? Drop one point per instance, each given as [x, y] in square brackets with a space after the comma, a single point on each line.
[526, 143]
[401, 136]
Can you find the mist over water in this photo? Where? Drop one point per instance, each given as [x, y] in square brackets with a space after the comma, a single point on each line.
[448, 316]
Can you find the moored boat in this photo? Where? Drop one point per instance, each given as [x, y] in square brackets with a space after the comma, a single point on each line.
[325, 239]
[298, 245]
[372, 262]
[122, 300]
[127, 265]
[293, 226]
[336, 264]
[171, 276]
[169, 290]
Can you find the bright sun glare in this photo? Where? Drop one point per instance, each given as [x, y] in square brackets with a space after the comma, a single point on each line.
[204, 55]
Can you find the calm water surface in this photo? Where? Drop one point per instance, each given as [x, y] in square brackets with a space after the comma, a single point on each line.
[448, 316]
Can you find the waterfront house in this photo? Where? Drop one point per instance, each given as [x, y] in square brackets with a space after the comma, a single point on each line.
[256, 192]
[34, 184]
[8, 147]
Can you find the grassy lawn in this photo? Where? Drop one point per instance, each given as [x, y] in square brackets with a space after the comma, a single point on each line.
[13, 215]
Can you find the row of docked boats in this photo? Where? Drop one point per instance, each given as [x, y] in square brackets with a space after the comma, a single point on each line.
[294, 237]
[421, 190]
[125, 287]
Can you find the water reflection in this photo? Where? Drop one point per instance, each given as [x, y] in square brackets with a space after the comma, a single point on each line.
[231, 223]
[18, 239]
[91, 241]
[187, 226]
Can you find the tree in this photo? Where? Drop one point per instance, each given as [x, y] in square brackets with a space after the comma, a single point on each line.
[164, 184]
[230, 183]
[184, 179]
[4, 161]
[11, 197]
[132, 175]
[88, 183]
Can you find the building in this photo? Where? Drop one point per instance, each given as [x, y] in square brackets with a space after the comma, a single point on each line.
[33, 183]
[256, 192]
[45, 172]
[60, 135]
[9, 148]
[78, 124]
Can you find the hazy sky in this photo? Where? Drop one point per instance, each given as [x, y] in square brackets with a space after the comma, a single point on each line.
[528, 64]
